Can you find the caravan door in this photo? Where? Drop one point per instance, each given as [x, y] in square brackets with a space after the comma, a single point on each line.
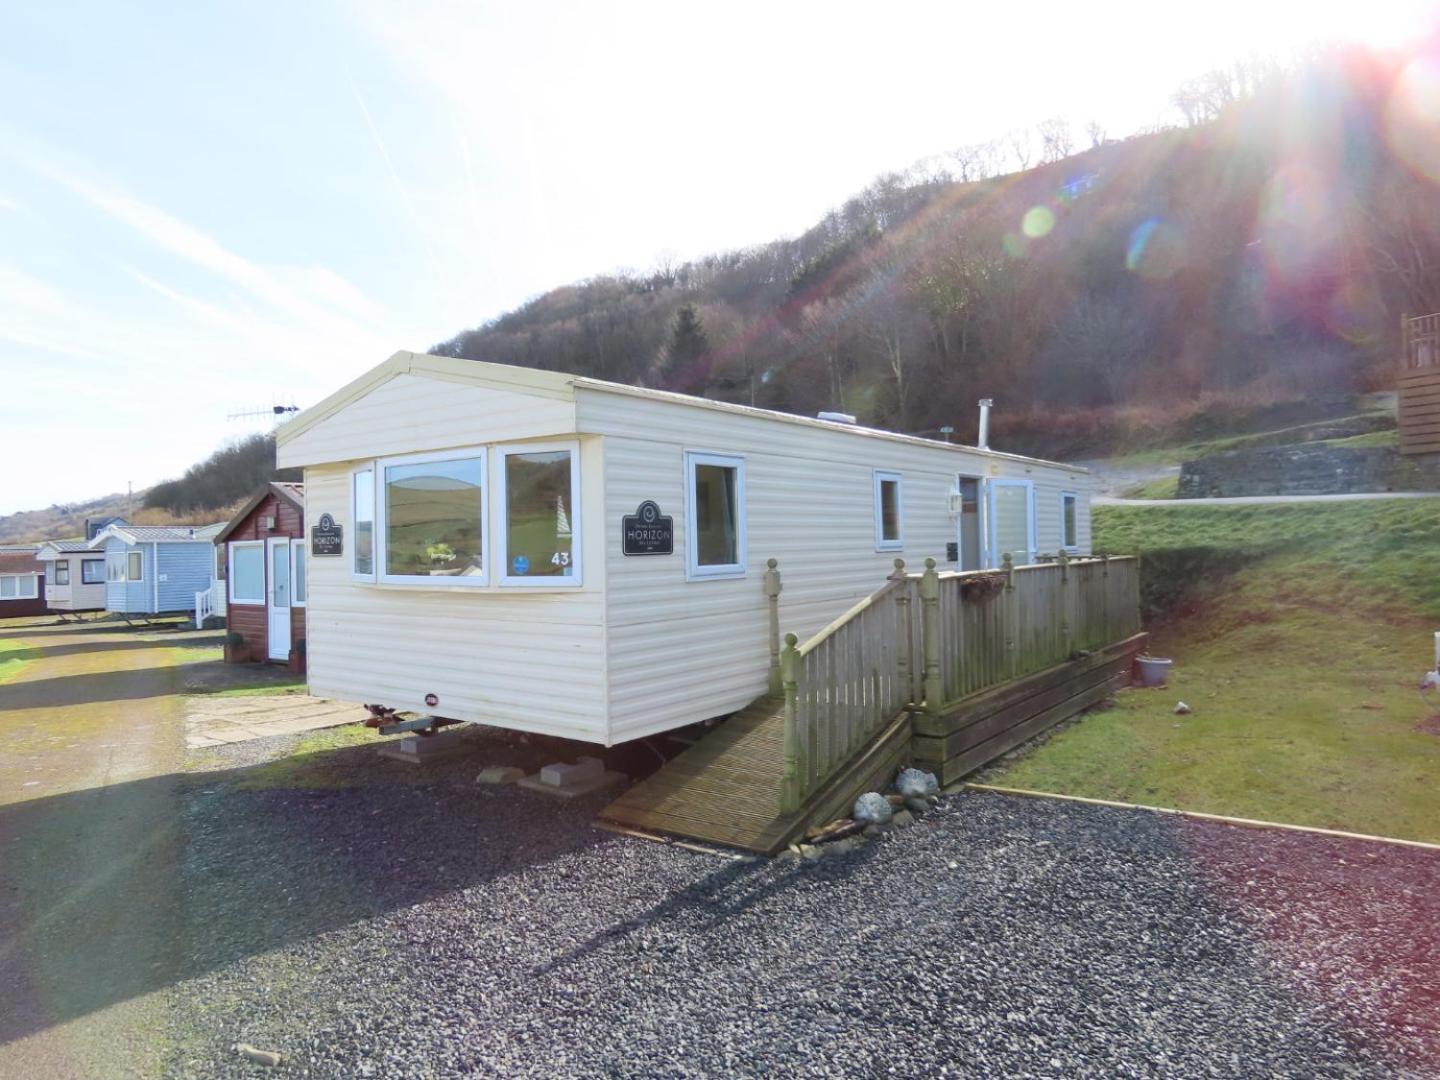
[277, 599]
[1011, 513]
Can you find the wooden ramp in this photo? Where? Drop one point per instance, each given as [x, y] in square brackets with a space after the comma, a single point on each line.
[726, 789]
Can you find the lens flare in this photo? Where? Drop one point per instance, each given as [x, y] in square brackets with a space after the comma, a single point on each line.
[1412, 117]
[1156, 250]
[1037, 222]
[1014, 244]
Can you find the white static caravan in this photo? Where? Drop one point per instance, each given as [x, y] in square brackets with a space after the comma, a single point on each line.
[557, 554]
[74, 576]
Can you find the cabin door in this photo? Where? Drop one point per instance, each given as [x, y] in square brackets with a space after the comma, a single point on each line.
[1011, 513]
[970, 533]
[277, 597]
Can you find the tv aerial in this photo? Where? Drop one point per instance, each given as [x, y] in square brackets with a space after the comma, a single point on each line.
[276, 411]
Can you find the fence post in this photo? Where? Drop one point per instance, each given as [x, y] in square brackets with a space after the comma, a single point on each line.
[772, 595]
[904, 633]
[930, 635]
[789, 673]
[1067, 629]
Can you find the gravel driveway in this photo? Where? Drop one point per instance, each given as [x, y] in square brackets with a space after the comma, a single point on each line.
[437, 928]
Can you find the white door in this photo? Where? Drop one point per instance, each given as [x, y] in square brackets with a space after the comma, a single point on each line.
[277, 598]
[1011, 511]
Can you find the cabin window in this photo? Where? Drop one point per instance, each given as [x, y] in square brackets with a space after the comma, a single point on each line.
[715, 512]
[247, 573]
[62, 571]
[540, 532]
[297, 562]
[19, 587]
[363, 515]
[1069, 520]
[134, 566]
[432, 516]
[115, 568]
[888, 532]
[92, 571]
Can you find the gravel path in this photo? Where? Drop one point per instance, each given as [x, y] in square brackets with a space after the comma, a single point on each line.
[442, 929]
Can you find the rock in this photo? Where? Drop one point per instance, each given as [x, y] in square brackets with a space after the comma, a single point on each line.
[1181, 709]
[261, 1057]
[916, 784]
[872, 808]
[903, 818]
[918, 807]
[499, 774]
[790, 854]
[562, 775]
[872, 831]
[810, 853]
[842, 847]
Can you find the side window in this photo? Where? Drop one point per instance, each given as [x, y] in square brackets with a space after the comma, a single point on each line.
[62, 571]
[889, 532]
[92, 571]
[135, 561]
[300, 587]
[540, 530]
[247, 573]
[715, 513]
[362, 506]
[1069, 521]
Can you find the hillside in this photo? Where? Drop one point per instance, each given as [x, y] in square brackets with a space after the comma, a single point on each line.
[1179, 281]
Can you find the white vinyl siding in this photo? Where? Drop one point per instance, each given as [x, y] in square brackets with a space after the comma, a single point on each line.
[889, 512]
[247, 572]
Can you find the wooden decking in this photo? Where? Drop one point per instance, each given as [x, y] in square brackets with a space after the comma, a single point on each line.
[726, 789]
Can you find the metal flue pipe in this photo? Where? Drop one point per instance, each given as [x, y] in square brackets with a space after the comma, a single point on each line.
[983, 440]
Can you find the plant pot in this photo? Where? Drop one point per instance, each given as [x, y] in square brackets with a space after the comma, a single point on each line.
[237, 654]
[1152, 670]
[297, 661]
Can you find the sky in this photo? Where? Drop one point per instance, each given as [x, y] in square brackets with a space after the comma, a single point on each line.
[211, 208]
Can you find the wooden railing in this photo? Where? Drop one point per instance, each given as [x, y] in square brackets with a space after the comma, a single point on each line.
[924, 641]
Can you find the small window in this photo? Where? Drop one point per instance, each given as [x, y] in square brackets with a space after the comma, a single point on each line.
[135, 566]
[363, 515]
[247, 573]
[540, 533]
[715, 509]
[115, 568]
[889, 535]
[433, 514]
[92, 571]
[62, 571]
[9, 588]
[297, 548]
[19, 587]
[1069, 520]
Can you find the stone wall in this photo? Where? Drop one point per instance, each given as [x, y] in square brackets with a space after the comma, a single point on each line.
[1304, 469]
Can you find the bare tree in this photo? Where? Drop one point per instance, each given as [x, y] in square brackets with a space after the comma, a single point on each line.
[1056, 141]
[1022, 147]
[1096, 133]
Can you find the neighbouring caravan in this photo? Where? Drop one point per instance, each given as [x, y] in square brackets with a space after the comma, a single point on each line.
[22, 582]
[74, 576]
[156, 569]
[557, 554]
[264, 556]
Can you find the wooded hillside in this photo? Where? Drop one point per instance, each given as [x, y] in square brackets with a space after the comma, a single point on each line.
[1258, 255]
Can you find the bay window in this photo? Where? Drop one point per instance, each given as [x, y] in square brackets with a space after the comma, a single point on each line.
[432, 513]
[362, 513]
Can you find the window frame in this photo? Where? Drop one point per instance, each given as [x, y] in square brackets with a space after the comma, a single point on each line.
[33, 594]
[230, 573]
[1070, 497]
[382, 541]
[995, 482]
[58, 567]
[373, 468]
[500, 508]
[300, 596]
[136, 554]
[92, 562]
[881, 477]
[723, 571]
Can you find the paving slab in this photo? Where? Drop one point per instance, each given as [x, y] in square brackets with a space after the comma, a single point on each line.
[214, 720]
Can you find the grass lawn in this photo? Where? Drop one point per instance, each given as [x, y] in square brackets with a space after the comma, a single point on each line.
[11, 659]
[1301, 668]
[1166, 487]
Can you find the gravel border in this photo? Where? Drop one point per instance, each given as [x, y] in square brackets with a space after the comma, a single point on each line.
[440, 928]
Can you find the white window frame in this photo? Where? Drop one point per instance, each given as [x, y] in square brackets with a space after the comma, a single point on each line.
[136, 554]
[382, 542]
[373, 468]
[693, 570]
[248, 601]
[303, 580]
[996, 555]
[19, 579]
[880, 478]
[90, 562]
[499, 526]
[1070, 497]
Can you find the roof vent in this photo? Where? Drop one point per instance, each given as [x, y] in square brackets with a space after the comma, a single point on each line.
[836, 417]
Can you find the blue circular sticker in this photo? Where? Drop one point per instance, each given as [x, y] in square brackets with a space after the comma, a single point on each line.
[521, 565]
